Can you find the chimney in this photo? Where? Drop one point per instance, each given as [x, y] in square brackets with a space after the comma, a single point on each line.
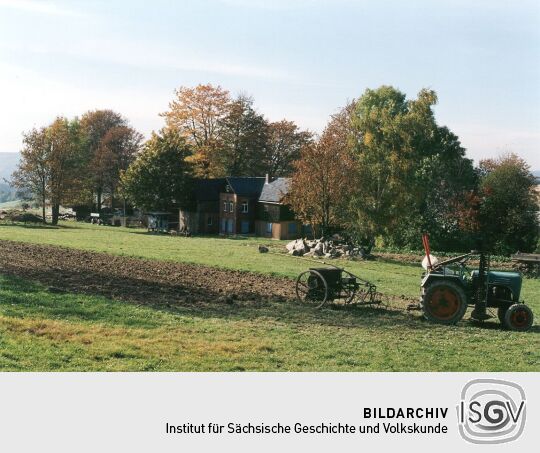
[267, 179]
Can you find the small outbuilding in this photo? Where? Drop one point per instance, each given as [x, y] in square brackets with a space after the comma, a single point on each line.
[157, 221]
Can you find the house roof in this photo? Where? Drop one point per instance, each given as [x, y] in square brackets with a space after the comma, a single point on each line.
[209, 189]
[274, 191]
[251, 187]
[246, 186]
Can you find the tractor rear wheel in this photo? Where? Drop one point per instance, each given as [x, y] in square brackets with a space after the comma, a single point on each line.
[444, 302]
[518, 317]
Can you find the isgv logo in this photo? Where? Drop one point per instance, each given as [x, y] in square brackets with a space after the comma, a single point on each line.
[491, 411]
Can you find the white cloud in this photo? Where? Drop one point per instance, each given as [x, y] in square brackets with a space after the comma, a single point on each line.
[38, 7]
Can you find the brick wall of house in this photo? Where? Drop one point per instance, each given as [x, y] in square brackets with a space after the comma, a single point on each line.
[227, 213]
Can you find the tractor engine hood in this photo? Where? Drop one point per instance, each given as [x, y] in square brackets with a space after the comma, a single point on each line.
[511, 280]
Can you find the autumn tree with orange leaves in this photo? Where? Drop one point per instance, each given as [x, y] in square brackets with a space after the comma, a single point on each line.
[229, 137]
[197, 114]
[323, 180]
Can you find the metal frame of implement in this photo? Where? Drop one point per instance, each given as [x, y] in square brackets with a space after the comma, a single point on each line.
[320, 285]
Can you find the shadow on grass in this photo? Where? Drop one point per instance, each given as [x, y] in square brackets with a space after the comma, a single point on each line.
[179, 300]
[196, 302]
[38, 226]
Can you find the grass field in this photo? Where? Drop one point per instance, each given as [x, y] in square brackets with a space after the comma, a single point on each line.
[241, 253]
[41, 330]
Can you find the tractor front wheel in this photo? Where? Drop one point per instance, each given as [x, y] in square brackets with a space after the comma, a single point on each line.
[444, 302]
[518, 317]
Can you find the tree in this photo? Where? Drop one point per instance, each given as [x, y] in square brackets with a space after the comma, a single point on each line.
[321, 184]
[508, 211]
[32, 174]
[96, 125]
[198, 114]
[118, 149]
[160, 177]
[243, 138]
[64, 162]
[445, 176]
[284, 143]
[50, 164]
[383, 159]
[409, 169]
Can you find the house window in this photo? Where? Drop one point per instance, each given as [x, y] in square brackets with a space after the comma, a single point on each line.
[209, 221]
[292, 228]
[245, 207]
[224, 206]
[269, 227]
[231, 207]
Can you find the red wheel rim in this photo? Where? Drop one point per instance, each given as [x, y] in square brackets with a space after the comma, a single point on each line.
[444, 303]
[519, 318]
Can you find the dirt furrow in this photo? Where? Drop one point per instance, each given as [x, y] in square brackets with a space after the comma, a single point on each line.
[136, 279]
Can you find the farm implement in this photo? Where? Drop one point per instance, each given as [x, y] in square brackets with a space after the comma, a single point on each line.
[448, 288]
[321, 285]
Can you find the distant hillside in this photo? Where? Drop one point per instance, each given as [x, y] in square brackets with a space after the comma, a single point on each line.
[8, 163]
[536, 173]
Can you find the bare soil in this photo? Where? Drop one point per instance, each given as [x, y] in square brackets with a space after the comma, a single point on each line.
[138, 280]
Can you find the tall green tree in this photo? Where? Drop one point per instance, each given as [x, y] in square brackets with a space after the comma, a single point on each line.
[508, 210]
[285, 140]
[409, 169]
[244, 135]
[161, 177]
[384, 161]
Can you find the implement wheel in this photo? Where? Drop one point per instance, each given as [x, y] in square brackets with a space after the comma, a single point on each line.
[311, 289]
[518, 317]
[444, 302]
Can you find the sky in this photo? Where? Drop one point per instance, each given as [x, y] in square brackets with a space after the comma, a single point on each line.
[300, 60]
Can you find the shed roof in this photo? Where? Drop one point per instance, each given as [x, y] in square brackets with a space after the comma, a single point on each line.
[274, 191]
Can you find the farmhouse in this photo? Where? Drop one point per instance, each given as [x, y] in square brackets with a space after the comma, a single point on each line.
[241, 205]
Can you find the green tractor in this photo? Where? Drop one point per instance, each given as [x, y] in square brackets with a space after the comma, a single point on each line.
[448, 288]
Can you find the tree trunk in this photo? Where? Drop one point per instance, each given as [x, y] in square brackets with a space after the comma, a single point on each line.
[99, 194]
[43, 201]
[55, 213]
